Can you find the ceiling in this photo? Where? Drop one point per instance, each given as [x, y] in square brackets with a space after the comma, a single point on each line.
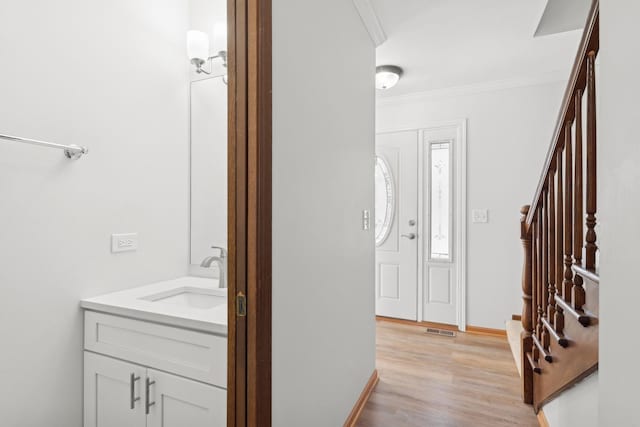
[449, 43]
[563, 15]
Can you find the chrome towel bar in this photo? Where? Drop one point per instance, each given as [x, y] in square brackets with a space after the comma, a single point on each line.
[71, 151]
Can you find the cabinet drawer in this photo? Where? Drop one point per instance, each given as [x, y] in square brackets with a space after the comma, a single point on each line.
[188, 353]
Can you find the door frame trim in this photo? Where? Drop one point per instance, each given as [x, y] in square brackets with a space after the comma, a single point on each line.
[461, 202]
[250, 212]
[460, 205]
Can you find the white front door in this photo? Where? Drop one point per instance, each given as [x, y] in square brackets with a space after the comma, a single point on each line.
[420, 221]
[396, 215]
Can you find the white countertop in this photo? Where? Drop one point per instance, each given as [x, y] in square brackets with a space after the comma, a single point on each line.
[132, 303]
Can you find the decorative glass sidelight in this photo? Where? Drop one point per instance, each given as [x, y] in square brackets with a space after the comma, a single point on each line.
[440, 210]
[385, 200]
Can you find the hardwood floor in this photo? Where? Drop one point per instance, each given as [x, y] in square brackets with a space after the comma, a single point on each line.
[432, 381]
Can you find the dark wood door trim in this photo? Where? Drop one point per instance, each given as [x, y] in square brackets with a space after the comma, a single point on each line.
[249, 351]
[259, 214]
[237, 218]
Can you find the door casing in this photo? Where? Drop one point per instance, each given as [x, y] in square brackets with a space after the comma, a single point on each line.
[249, 219]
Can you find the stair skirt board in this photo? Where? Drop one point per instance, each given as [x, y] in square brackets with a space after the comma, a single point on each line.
[514, 328]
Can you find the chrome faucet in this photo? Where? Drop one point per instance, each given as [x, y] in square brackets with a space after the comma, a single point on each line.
[221, 262]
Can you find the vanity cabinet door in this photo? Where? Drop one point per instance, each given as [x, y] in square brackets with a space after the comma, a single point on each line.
[179, 402]
[113, 392]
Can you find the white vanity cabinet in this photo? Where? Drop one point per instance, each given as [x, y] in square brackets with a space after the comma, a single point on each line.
[144, 374]
[109, 399]
[185, 403]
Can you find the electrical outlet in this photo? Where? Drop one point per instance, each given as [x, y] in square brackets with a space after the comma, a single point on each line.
[480, 216]
[124, 242]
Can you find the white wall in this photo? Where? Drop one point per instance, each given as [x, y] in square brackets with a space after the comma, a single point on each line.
[618, 205]
[113, 76]
[508, 134]
[323, 262]
[576, 407]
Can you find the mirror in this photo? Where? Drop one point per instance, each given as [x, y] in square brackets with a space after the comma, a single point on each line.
[384, 200]
[208, 168]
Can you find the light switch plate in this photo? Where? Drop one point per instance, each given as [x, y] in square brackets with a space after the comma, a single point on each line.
[480, 216]
[366, 219]
[124, 242]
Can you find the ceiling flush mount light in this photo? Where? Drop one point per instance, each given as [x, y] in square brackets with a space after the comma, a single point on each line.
[387, 76]
[198, 49]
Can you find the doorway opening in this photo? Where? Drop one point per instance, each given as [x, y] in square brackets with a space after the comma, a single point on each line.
[420, 224]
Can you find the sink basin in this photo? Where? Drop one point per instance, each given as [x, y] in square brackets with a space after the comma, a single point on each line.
[190, 302]
[191, 297]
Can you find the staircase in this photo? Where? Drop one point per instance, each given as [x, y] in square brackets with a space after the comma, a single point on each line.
[558, 231]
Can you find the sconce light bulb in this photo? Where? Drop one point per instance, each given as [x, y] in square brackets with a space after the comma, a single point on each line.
[197, 45]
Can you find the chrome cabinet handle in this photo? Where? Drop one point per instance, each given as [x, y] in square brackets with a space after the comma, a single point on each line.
[132, 386]
[148, 404]
[409, 236]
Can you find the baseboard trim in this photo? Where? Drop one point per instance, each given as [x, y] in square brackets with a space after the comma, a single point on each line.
[478, 330]
[437, 325]
[362, 400]
[445, 326]
[542, 419]
[473, 330]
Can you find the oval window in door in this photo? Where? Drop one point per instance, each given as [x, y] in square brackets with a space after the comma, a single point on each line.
[385, 200]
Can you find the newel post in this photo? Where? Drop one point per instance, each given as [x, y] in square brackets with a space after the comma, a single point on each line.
[526, 342]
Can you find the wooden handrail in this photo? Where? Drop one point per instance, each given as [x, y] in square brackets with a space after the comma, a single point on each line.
[558, 233]
[577, 81]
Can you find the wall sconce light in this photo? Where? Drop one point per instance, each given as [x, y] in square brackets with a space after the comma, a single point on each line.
[198, 48]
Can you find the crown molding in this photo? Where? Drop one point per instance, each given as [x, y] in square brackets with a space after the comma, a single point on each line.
[490, 86]
[371, 21]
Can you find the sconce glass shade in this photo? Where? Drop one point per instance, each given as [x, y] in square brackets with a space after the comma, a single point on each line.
[197, 45]
[387, 76]
[220, 37]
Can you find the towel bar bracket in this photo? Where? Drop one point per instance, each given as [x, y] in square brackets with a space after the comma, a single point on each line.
[72, 151]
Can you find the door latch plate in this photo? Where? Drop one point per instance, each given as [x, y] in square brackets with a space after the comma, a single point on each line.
[241, 305]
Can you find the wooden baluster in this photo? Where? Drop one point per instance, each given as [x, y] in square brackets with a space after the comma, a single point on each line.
[526, 342]
[577, 295]
[559, 317]
[534, 286]
[590, 246]
[540, 299]
[544, 274]
[567, 283]
[551, 242]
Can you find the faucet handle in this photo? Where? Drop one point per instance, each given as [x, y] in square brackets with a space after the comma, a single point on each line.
[223, 251]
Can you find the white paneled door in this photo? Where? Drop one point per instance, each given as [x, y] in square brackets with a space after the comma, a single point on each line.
[396, 215]
[419, 224]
